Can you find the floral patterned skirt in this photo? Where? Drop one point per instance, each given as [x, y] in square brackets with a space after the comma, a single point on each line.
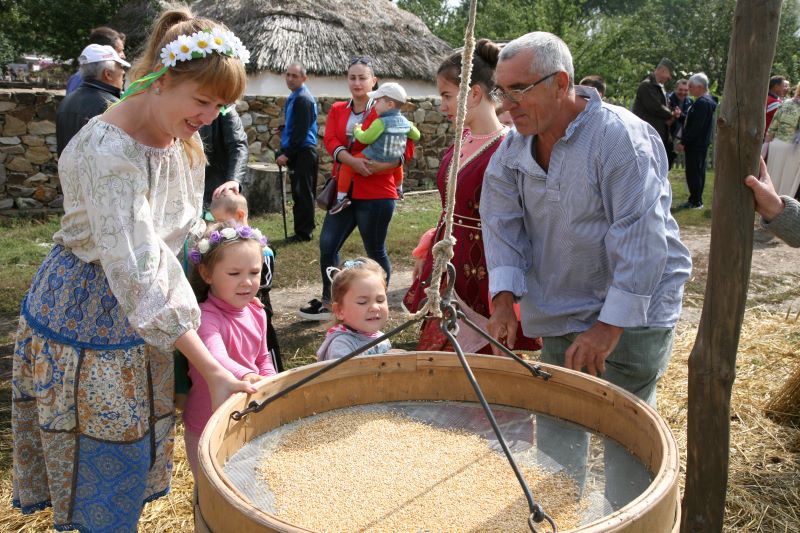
[92, 412]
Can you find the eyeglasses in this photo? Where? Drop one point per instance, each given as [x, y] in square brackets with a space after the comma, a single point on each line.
[360, 60]
[515, 95]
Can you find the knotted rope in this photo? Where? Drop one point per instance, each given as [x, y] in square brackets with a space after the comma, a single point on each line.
[443, 250]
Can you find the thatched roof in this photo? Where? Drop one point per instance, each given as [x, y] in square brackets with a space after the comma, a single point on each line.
[325, 34]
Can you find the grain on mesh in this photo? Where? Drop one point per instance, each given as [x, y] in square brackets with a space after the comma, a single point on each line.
[356, 470]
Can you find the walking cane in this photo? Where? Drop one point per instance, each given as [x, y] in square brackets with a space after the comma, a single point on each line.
[283, 200]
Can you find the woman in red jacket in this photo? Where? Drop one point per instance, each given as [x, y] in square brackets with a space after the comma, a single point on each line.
[374, 192]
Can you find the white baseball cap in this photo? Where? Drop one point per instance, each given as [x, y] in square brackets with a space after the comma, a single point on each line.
[393, 90]
[100, 52]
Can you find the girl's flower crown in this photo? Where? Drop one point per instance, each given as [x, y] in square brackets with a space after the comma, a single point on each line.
[195, 46]
[229, 234]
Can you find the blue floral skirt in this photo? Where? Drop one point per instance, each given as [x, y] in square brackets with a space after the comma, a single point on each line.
[92, 412]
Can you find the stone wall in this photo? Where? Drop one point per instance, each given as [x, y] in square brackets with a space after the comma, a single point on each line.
[28, 168]
[28, 161]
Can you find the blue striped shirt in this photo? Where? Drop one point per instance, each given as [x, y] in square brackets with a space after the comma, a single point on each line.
[592, 238]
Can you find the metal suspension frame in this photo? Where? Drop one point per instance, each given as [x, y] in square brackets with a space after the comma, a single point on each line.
[449, 325]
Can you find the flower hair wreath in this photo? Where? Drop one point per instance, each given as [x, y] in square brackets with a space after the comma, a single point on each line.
[195, 46]
[217, 237]
[201, 43]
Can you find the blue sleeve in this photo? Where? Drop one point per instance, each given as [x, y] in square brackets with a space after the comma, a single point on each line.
[633, 184]
[503, 227]
[302, 119]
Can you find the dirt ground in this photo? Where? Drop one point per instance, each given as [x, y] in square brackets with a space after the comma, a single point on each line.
[772, 260]
[775, 272]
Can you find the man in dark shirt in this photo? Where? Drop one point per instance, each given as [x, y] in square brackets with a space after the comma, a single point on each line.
[696, 137]
[103, 73]
[299, 150]
[650, 104]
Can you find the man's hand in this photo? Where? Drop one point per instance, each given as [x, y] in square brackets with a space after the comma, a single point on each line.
[679, 147]
[768, 203]
[592, 347]
[229, 187]
[282, 160]
[503, 322]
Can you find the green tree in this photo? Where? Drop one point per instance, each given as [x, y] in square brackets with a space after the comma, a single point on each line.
[58, 28]
[621, 40]
[787, 53]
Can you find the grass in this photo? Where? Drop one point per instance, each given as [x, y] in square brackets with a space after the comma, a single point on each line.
[680, 193]
[299, 263]
[24, 243]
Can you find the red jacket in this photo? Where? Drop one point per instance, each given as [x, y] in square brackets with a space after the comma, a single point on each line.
[377, 186]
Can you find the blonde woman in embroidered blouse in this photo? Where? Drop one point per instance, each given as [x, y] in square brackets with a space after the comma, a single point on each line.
[93, 370]
[783, 162]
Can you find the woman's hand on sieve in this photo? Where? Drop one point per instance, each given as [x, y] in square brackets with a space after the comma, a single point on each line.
[224, 386]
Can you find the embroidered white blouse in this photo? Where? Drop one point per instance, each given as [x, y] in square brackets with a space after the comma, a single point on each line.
[129, 208]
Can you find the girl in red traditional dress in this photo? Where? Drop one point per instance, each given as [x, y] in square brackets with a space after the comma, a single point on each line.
[483, 133]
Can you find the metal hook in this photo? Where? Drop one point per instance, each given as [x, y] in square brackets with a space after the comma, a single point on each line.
[537, 516]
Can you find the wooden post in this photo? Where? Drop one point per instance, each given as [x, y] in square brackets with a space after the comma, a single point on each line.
[262, 188]
[712, 364]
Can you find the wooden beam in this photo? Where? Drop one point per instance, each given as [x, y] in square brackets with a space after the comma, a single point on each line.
[712, 363]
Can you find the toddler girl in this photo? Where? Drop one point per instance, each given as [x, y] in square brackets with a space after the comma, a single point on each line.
[225, 279]
[361, 309]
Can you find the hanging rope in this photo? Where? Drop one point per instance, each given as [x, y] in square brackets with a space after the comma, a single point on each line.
[443, 250]
[445, 307]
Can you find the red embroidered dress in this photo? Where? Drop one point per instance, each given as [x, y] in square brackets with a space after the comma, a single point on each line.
[472, 281]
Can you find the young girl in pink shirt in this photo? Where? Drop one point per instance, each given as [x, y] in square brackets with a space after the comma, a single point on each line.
[233, 326]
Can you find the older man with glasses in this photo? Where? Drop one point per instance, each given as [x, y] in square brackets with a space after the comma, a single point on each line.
[577, 228]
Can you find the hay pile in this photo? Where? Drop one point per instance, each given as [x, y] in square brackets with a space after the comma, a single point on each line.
[764, 480]
[764, 473]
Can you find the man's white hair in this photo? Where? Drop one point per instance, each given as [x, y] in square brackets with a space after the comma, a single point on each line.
[699, 79]
[550, 54]
[94, 71]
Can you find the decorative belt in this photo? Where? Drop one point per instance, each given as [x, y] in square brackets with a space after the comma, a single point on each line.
[467, 222]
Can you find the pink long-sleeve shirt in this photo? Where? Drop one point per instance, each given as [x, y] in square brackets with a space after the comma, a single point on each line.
[237, 338]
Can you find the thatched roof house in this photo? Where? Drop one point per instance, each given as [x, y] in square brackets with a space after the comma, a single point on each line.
[324, 35]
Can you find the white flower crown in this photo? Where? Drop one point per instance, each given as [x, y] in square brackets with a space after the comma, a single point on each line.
[201, 43]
